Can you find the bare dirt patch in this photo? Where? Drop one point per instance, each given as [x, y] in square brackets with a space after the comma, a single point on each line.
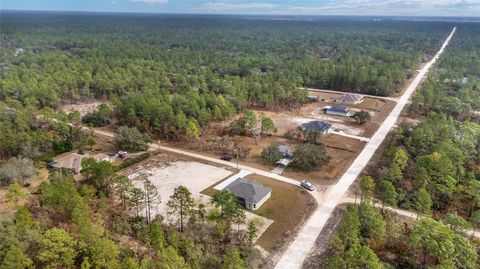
[193, 175]
[288, 120]
[370, 103]
[82, 108]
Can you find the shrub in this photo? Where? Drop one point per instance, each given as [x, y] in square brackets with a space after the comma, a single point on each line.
[131, 139]
[131, 161]
[270, 155]
[308, 157]
[362, 117]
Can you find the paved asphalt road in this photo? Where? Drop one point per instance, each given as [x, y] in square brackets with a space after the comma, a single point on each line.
[305, 240]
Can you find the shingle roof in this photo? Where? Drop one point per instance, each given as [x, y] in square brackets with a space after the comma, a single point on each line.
[338, 109]
[250, 191]
[316, 125]
[70, 161]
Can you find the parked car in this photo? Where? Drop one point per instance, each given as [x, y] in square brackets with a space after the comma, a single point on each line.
[307, 185]
[122, 154]
[226, 158]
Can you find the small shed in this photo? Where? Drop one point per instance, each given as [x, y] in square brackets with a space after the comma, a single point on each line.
[251, 194]
[283, 162]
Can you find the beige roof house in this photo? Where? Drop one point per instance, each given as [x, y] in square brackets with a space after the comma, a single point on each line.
[350, 98]
[72, 161]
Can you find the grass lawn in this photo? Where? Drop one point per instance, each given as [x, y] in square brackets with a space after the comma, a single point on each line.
[288, 206]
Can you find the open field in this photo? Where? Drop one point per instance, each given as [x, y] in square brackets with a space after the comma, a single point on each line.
[342, 151]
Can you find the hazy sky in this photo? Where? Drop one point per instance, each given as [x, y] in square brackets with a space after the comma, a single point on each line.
[294, 7]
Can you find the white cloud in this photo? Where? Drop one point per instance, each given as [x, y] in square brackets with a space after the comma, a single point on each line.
[221, 6]
[151, 1]
[393, 7]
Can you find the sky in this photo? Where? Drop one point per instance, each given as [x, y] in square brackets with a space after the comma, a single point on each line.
[264, 7]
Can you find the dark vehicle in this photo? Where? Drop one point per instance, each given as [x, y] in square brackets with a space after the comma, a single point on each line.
[307, 185]
[226, 158]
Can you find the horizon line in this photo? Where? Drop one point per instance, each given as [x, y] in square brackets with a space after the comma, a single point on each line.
[237, 14]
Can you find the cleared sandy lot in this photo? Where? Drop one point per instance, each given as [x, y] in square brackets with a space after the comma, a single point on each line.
[196, 177]
[82, 108]
[193, 175]
[286, 121]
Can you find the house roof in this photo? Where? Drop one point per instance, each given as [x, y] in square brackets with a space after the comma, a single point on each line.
[350, 98]
[316, 125]
[250, 191]
[284, 149]
[338, 109]
[70, 161]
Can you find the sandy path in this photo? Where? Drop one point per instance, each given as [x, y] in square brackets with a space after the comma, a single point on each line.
[305, 240]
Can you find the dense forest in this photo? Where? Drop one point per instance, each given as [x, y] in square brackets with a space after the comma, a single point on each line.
[82, 225]
[431, 168]
[441, 154]
[170, 76]
[372, 238]
[167, 72]
[453, 88]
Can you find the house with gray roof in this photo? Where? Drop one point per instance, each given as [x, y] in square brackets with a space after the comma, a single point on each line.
[338, 110]
[251, 194]
[321, 127]
[350, 98]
